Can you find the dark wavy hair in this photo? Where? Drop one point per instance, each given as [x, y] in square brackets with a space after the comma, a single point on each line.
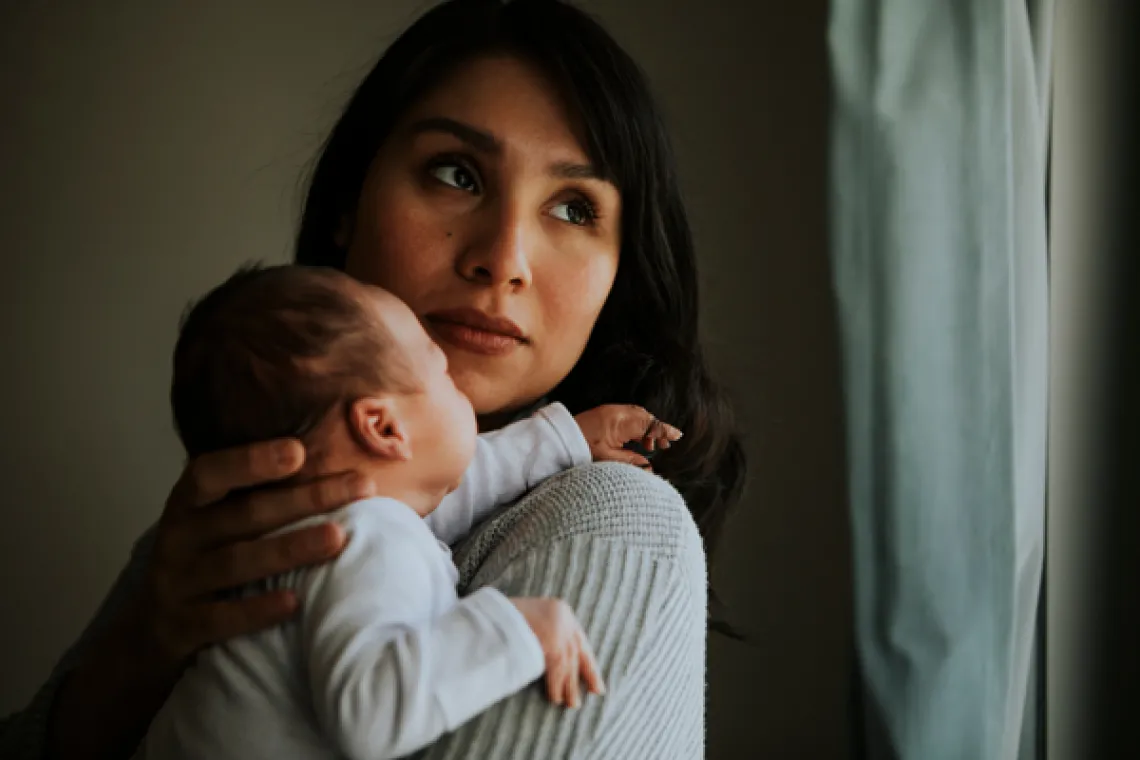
[645, 348]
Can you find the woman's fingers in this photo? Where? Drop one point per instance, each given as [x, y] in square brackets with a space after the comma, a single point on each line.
[223, 620]
[264, 511]
[243, 562]
[210, 540]
[208, 478]
[178, 630]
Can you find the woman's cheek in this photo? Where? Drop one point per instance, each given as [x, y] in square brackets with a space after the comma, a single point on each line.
[576, 292]
[404, 253]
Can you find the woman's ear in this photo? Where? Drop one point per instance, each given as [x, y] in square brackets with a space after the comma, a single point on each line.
[376, 426]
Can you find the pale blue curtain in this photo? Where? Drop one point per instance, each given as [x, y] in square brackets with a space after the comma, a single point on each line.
[939, 252]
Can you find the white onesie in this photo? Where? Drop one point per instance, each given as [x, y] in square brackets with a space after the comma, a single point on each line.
[383, 657]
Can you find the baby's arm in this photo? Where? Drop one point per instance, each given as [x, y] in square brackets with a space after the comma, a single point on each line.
[507, 464]
[386, 677]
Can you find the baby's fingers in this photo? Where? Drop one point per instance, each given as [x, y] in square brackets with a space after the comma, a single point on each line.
[554, 684]
[623, 455]
[588, 669]
[660, 435]
[570, 668]
[628, 423]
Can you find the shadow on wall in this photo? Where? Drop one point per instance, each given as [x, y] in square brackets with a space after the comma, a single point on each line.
[745, 88]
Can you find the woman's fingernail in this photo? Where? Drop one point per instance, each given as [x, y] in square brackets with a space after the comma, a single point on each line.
[333, 538]
[286, 454]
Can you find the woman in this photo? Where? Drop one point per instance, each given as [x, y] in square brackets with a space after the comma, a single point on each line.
[505, 172]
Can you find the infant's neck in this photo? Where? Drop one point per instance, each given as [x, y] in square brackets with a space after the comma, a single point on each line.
[401, 480]
[421, 501]
[387, 483]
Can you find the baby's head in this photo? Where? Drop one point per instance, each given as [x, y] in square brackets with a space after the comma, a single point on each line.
[310, 353]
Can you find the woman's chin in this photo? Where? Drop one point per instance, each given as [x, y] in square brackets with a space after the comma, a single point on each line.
[489, 391]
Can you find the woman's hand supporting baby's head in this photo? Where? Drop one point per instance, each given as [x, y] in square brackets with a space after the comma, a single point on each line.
[205, 545]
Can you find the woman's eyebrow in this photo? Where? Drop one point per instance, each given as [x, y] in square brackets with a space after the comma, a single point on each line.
[484, 142]
[570, 170]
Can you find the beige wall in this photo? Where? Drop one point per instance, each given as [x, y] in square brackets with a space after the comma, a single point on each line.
[1092, 208]
[147, 148]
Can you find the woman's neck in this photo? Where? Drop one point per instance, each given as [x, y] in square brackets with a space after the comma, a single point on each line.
[496, 420]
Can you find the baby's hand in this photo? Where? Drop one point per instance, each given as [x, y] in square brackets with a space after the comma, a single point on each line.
[608, 428]
[564, 645]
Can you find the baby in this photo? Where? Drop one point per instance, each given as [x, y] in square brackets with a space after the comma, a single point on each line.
[382, 657]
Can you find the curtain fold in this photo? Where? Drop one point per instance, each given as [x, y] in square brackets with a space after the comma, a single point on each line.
[940, 266]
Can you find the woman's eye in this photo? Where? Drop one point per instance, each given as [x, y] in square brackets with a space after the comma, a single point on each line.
[456, 175]
[578, 212]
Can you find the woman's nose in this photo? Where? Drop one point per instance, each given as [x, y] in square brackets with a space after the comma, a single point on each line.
[498, 254]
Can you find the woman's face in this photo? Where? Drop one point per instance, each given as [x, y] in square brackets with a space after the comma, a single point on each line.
[482, 212]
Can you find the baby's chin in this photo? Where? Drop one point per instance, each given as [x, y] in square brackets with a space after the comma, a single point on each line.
[459, 480]
[453, 486]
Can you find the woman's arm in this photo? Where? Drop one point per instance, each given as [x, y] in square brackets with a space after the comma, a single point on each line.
[620, 547]
[25, 735]
[164, 606]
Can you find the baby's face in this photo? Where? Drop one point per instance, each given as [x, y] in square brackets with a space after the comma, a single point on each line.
[441, 422]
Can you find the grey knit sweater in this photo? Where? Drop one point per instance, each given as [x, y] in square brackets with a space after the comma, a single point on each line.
[619, 546]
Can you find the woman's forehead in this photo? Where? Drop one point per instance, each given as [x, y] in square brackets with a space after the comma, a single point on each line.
[509, 101]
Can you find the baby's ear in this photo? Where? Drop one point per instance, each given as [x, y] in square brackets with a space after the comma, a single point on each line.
[377, 427]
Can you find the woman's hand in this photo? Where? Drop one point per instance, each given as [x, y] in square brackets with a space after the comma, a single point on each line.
[609, 428]
[210, 540]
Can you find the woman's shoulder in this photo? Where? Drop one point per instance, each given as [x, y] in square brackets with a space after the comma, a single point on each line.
[600, 501]
[606, 500]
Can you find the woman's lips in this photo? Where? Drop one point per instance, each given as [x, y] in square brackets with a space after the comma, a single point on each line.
[475, 331]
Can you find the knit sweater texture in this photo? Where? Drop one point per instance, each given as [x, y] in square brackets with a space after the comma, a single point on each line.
[617, 544]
